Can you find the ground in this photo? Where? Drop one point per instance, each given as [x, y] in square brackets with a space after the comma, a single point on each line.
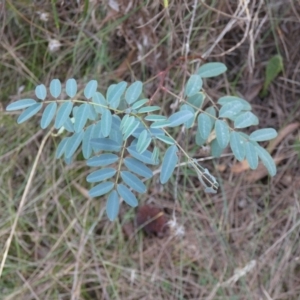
[241, 243]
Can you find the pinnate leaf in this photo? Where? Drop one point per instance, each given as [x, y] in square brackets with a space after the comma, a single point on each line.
[261, 135]
[101, 175]
[63, 114]
[81, 117]
[193, 85]
[86, 142]
[29, 112]
[101, 189]
[212, 69]
[133, 181]
[237, 145]
[137, 167]
[106, 144]
[48, 114]
[55, 88]
[41, 92]
[204, 125]
[168, 164]
[127, 195]
[251, 155]
[112, 205]
[222, 133]
[245, 119]
[133, 92]
[180, 117]
[102, 160]
[90, 89]
[266, 159]
[20, 104]
[114, 93]
[71, 87]
[106, 122]
[73, 143]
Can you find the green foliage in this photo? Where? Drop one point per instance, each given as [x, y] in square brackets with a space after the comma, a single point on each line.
[274, 67]
[120, 137]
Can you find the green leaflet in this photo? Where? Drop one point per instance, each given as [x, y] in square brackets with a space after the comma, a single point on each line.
[168, 164]
[55, 88]
[212, 69]
[112, 205]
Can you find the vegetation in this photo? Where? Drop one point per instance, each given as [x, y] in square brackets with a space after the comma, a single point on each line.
[241, 242]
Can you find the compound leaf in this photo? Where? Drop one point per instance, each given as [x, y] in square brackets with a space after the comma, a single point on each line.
[245, 119]
[251, 155]
[86, 142]
[71, 87]
[237, 145]
[139, 103]
[155, 118]
[101, 189]
[90, 89]
[133, 92]
[168, 164]
[73, 143]
[155, 155]
[137, 167]
[81, 117]
[55, 88]
[48, 114]
[127, 195]
[112, 205]
[145, 157]
[133, 181]
[106, 144]
[144, 141]
[68, 125]
[160, 124]
[193, 85]
[261, 135]
[216, 150]
[41, 92]
[147, 109]
[102, 160]
[266, 159]
[204, 125]
[29, 112]
[20, 104]
[63, 114]
[222, 133]
[130, 129]
[106, 122]
[180, 117]
[99, 99]
[101, 175]
[212, 69]
[226, 99]
[199, 140]
[196, 100]
[60, 150]
[188, 123]
[231, 109]
[114, 93]
[166, 139]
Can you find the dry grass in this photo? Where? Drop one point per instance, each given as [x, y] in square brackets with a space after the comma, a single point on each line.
[242, 243]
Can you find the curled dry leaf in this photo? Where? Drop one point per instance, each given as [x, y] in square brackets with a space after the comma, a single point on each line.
[152, 220]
